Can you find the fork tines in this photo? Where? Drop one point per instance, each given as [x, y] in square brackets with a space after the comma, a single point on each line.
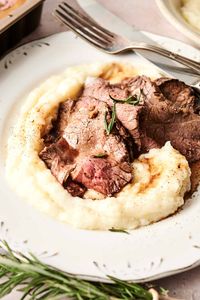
[84, 26]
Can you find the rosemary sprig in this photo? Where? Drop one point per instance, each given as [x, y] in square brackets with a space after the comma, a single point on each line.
[109, 126]
[133, 99]
[39, 281]
[130, 100]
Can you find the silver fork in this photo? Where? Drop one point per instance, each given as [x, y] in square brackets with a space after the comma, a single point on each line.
[111, 42]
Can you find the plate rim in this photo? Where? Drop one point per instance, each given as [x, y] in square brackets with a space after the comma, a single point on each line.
[89, 277]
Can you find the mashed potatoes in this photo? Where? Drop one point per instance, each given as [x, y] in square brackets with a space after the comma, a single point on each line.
[191, 12]
[161, 177]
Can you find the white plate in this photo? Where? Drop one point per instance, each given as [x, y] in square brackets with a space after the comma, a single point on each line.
[171, 9]
[158, 250]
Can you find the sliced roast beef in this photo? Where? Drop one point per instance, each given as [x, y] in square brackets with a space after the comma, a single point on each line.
[82, 155]
[103, 175]
[170, 115]
[127, 114]
[181, 96]
[60, 158]
[100, 89]
[168, 110]
[64, 112]
[84, 145]
[85, 131]
[76, 189]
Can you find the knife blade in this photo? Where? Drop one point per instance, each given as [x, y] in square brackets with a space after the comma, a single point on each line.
[115, 24]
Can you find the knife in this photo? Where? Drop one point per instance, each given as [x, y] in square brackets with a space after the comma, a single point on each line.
[115, 24]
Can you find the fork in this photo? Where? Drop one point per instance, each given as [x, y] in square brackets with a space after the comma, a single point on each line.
[110, 42]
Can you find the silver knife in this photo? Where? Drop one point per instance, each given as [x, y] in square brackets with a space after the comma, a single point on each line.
[115, 24]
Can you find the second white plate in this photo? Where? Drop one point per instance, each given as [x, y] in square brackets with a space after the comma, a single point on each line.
[171, 10]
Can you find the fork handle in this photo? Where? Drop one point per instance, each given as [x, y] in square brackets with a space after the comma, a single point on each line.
[166, 53]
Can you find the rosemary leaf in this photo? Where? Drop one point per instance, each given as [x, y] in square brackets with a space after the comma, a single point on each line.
[105, 123]
[118, 230]
[133, 100]
[100, 155]
[113, 118]
[109, 127]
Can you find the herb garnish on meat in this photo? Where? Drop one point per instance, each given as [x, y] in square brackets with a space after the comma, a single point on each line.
[132, 100]
[109, 126]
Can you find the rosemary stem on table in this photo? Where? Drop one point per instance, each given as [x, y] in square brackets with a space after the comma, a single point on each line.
[39, 281]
